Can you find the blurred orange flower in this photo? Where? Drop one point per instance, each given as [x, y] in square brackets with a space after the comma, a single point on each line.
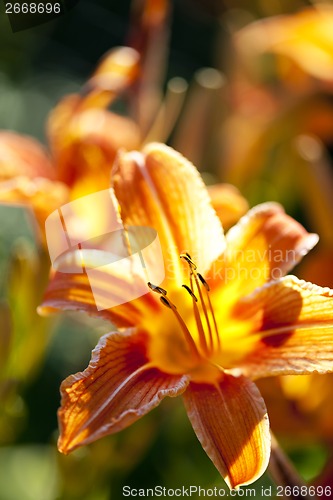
[304, 39]
[280, 85]
[206, 338]
[84, 135]
[84, 138]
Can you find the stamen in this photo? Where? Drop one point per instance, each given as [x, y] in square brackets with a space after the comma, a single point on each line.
[215, 323]
[186, 332]
[211, 310]
[206, 307]
[204, 282]
[201, 331]
[186, 256]
[157, 289]
[166, 302]
[209, 335]
[190, 292]
[203, 305]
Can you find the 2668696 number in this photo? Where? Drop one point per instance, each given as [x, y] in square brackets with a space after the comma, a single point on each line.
[33, 8]
[303, 491]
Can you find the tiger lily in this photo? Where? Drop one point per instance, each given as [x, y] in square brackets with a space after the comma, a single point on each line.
[225, 315]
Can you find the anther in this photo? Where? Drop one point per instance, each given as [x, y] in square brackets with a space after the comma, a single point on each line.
[186, 256]
[190, 292]
[157, 289]
[204, 282]
[166, 302]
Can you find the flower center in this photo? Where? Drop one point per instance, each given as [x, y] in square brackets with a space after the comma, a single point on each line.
[195, 352]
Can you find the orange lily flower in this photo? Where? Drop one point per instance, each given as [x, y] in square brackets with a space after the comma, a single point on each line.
[226, 315]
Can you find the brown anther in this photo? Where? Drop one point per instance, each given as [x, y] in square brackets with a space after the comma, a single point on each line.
[190, 292]
[204, 282]
[186, 256]
[157, 289]
[166, 302]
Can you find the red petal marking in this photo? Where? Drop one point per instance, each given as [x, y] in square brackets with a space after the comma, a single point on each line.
[296, 332]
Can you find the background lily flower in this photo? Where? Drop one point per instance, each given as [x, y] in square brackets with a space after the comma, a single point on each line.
[302, 42]
[41, 181]
[84, 135]
[84, 139]
[226, 315]
[280, 82]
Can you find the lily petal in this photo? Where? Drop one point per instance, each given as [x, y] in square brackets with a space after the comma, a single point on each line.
[21, 155]
[84, 143]
[228, 203]
[79, 292]
[231, 423]
[41, 194]
[101, 268]
[161, 189]
[264, 245]
[118, 387]
[84, 135]
[116, 71]
[295, 334]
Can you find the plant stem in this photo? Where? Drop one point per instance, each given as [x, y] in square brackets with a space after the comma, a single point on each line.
[284, 473]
